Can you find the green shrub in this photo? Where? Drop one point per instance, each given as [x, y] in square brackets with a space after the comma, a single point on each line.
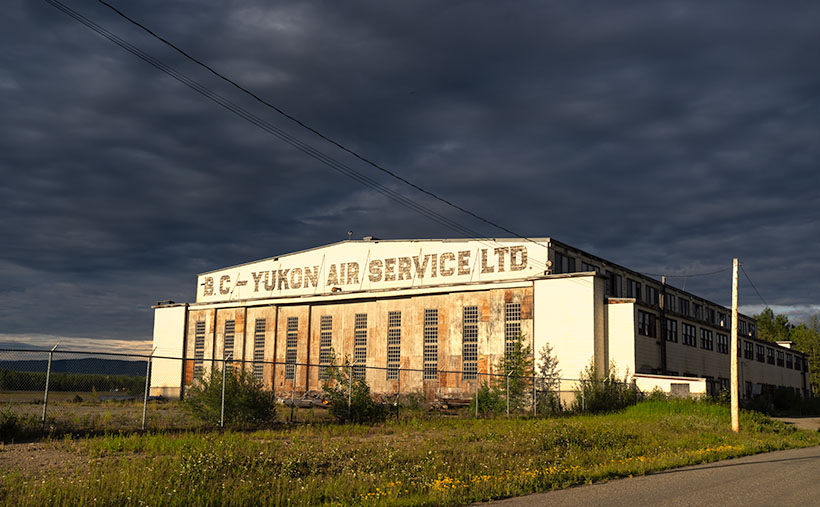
[351, 401]
[491, 400]
[603, 392]
[246, 402]
[13, 425]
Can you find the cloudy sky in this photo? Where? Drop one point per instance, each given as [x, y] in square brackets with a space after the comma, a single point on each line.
[668, 137]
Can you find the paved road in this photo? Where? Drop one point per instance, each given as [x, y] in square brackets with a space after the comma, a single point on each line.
[783, 478]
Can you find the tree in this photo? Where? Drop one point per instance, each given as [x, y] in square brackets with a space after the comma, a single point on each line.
[603, 393]
[246, 401]
[771, 327]
[516, 364]
[549, 377]
[807, 339]
[350, 400]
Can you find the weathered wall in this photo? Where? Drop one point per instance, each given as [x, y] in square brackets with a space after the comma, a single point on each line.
[169, 333]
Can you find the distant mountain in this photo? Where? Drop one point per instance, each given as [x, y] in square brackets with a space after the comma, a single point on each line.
[85, 365]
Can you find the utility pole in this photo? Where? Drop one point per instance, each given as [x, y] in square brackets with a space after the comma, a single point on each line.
[733, 351]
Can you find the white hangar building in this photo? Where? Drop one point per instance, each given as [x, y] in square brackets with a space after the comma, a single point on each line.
[405, 310]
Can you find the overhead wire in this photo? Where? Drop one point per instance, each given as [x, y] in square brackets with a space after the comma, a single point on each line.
[753, 286]
[276, 132]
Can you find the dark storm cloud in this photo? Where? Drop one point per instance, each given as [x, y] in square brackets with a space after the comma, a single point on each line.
[666, 136]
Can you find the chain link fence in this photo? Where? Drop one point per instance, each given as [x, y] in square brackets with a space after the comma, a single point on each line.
[74, 391]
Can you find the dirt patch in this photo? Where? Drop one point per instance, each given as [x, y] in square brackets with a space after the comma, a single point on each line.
[802, 423]
[39, 459]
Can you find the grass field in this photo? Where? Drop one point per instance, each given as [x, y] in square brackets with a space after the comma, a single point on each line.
[412, 462]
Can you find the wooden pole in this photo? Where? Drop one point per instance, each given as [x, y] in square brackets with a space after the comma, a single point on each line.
[733, 352]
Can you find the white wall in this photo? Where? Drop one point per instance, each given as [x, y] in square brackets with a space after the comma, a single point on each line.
[563, 310]
[647, 383]
[621, 326]
[169, 332]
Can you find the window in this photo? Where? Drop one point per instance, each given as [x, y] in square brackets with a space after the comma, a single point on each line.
[291, 340]
[748, 350]
[671, 330]
[722, 322]
[359, 345]
[752, 330]
[723, 343]
[780, 355]
[669, 302]
[698, 311]
[769, 355]
[652, 295]
[512, 326]
[614, 285]
[633, 289]
[228, 341]
[430, 344]
[688, 335]
[646, 324]
[393, 344]
[563, 264]
[469, 344]
[789, 363]
[741, 327]
[710, 315]
[739, 342]
[259, 348]
[706, 341]
[748, 389]
[589, 267]
[683, 306]
[325, 345]
[760, 352]
[199, 348]
[798, 361]
[724, 384]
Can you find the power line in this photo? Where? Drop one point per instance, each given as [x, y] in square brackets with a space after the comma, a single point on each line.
[312, 129]
[276, 132]
[689, 276]
[753, 286]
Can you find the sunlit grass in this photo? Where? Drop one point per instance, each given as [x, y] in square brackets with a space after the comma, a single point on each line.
[410, 462]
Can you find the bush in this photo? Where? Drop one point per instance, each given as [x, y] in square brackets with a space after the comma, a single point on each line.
[603, 393]
[491, 400]
[14, 425]
[246, 402]
[362, 407]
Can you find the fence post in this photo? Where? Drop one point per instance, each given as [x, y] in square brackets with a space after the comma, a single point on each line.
[534, 402]
[147, 382]
[398, 391]
[439, 391]
[349, 389]
[293, 394]
[48, 375]
[477, 381]
[222, 410]
[508, 394]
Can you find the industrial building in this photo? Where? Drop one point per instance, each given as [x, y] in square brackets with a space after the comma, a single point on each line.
[433, 315]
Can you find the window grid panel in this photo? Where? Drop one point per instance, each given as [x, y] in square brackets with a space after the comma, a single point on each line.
[723, 343]
[430, 364]
[512, 326]
[393, 344]
[291, 340]
[199, 349]
[259, 348]
[325, 344]
[359, 345]
[469, 347]
[228, 342]
[706, 341]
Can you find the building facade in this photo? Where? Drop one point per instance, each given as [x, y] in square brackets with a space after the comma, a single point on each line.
[433, 316]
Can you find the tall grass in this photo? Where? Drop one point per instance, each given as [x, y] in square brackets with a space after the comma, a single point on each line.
[411, 462]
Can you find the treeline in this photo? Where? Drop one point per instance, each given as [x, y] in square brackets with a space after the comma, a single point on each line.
[36, 381]
[806, 338]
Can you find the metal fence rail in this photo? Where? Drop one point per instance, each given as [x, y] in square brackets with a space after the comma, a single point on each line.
[65, 390]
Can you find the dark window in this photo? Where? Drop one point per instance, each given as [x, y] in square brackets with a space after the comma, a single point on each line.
[259, 348]
[671, 330]
[393, 344]
[798, 361]
[698, 311]
[646, 324]
[741, 327]
[789, 363]
[633, 289]
[722, 322]
[291, 340]
[722, 343]
[325, 344]
[688, 335]
[512, 326]
[683, 306]
[563, 264]
[706, 341]
[652, 295]
[780, 356]
[360, 345]
[748, 350]
[769, 355]
[760, 352]
[752, 330]
[710, 315]
[589, 267]
[469, 345]
[669, 302]
[430, 344]
[614, 287]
